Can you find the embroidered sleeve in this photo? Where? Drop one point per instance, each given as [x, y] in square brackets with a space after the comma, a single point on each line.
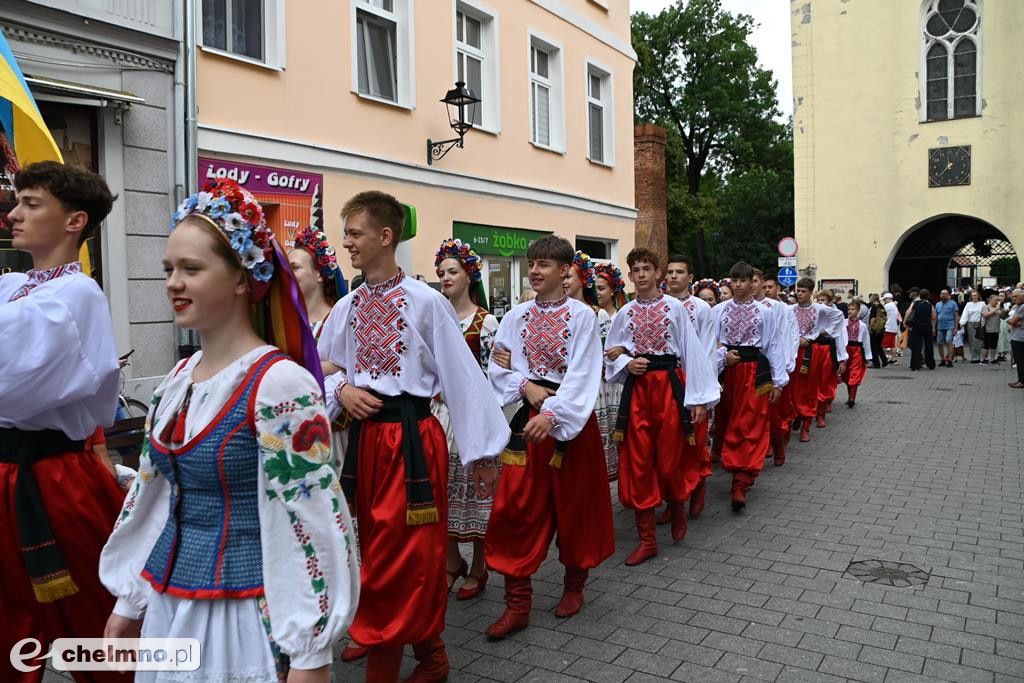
[619, 335]
[573, 403]
[136, 529]
[507, 385]
[310, 567]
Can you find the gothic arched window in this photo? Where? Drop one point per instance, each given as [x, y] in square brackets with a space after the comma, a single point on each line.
[952, 40]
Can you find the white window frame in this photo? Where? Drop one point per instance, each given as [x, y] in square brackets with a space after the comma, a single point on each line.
[610, 243]
[607, 104]
[555, 83]
[405, 48]
[950, 43]
[274, 51]
[490, 53]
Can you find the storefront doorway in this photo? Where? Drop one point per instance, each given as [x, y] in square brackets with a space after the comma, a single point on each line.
[503, 251]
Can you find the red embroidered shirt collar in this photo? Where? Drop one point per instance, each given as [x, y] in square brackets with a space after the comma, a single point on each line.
[38, 277]
[553, 303]
[390, 283]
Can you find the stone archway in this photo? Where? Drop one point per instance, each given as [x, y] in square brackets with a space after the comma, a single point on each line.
[973, 247]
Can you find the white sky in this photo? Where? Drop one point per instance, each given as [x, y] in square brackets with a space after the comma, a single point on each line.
[771, 38]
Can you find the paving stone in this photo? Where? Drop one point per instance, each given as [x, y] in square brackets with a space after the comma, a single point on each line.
[893, 660]
[749, 667]
[731, 643]
[830, 646]
[695, 673]
[790, 656]
[658, 665]
[956, 673]
[597, 671]
[929, 649]
[688, 652]
[858, 671]
[867, 637]
[773, 634]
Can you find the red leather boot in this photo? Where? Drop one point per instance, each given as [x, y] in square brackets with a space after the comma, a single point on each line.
[779, 446]
[648, 547]
[805, 430]
[383, 664]
[821, 414]
[678, 519]
[572, 595]
[433, 662]
[697, 499]
[740, 484]
[665, 516]
[518, 600]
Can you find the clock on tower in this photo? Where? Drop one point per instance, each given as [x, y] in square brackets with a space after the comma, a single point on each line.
[949, 166]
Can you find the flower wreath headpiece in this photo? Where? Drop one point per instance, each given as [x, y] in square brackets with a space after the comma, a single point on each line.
[324, 257]
[276, 308]
[613, 276]
[471, 263]
[585, 270]
[239, 217]
[706, 283]
[724, 282]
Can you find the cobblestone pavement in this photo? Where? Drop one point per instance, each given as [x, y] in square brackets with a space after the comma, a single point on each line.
[926, 470]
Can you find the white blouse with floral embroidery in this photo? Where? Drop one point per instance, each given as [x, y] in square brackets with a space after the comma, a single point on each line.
[310, 565]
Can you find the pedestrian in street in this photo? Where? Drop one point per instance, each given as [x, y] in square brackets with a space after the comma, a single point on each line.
[554, 479]
[459, 269]
[751, 360]
[1015, 322]
[59, 380]
[877, 319]
[970, 320]
[893, 328]
[398, 344]
[707, 290]
[239, 449]
[992, 317]
[725, 290]
[837, 349]
[921, 321]
[783, 411]
[816, 323]
[947, 317]
[858, 348]
[1003, 343]
[611, 297]
[669, 385]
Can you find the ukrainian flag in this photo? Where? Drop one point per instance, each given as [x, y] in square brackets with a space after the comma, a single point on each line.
[29, 137]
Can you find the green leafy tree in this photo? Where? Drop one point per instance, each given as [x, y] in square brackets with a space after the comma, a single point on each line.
[697, 75]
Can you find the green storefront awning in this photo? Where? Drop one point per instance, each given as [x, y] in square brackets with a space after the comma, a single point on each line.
[495, 239]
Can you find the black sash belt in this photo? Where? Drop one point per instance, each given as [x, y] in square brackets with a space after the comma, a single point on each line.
[667, 363]
[830, 342]
[763, 383]
[860, 345]
[419, 494]
[515, 452]
[47, 570]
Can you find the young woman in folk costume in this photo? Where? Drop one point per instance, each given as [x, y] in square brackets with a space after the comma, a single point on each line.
[611, 296]
[706, 289]
[724, 289]
[236, 531]
[459, 270]
[316, 270]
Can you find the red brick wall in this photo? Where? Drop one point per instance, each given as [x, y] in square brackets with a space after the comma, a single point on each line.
[651, 192]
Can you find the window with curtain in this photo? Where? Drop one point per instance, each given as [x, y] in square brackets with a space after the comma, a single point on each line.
[540, 95]
[470, 55]
[952, 37]
[235, 26]
[599, 115]
[376, 49]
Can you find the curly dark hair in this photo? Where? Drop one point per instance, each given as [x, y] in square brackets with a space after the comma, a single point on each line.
[75, 188]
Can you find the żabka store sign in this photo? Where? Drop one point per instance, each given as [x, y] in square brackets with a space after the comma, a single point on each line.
[291, 199]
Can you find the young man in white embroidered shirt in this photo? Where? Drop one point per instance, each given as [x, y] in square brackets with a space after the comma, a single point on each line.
[751, 358]
[781, 413]
[398, 344]
[670, 384]
[58, 383]
[554, 479]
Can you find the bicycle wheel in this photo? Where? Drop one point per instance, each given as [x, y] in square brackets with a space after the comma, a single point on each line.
[135, 408]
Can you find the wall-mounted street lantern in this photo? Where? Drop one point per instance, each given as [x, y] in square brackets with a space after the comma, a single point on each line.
[462, 104]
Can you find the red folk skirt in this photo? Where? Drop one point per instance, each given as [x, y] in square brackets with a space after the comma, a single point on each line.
[81, 500]
[742, 421]
[404, 591]
[656, 461]
[828, 377]
[783, 412]
[536, 500]
[856, 368]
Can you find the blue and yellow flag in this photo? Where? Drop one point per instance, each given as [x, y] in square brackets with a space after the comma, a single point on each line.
[28, 135]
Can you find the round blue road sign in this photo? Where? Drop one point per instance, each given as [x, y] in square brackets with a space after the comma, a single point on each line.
[788, 276]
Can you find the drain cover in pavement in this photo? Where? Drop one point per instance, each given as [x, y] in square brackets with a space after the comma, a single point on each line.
[893, 403]
[897, 574]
